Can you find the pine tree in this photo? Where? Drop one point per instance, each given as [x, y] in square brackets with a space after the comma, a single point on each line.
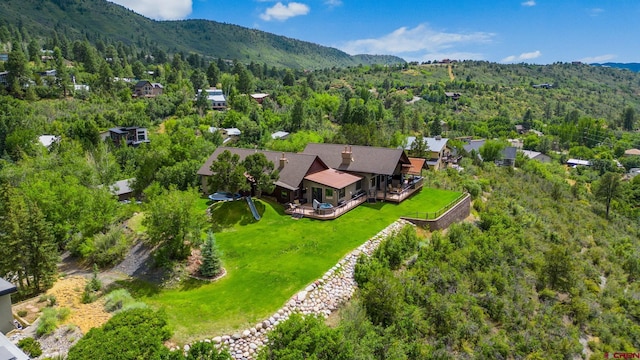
[211, 264]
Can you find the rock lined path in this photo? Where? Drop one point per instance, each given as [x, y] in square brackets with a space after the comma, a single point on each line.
[322, 297]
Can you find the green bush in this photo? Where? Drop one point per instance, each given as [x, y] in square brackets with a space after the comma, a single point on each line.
[22, 313]
[120, 300]
[109, 247]
[131, 334]
[30, 346]
[48, 322]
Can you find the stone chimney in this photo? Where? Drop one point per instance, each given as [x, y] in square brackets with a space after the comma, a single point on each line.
[283, 161]
[347, 156]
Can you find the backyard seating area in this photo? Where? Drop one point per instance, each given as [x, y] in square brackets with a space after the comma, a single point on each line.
[323, 211]
[401, 191]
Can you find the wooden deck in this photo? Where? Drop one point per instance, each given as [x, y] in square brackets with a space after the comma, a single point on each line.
[306, 210]
[400, 195]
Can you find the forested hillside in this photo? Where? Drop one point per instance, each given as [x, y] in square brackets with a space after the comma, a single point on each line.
[101, 21]
[547, 264]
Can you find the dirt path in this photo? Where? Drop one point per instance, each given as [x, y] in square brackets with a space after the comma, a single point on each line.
[451, 77]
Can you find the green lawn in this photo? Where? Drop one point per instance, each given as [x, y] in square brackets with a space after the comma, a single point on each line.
[268, 261]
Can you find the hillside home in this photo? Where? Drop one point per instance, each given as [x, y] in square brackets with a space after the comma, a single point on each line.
[292, 168]
[632, 152]
[130, 136]
[384, 171]
[438, 151]
[216, 98]
[507, 157]
[279, 135]
[228, 134]
[259, 98]
[145, 88]
[327, 180]
[122, 189]
[3, 78]
[452, 95]
[6, 315]
[578, 162]
[48, 140]
[535, 155]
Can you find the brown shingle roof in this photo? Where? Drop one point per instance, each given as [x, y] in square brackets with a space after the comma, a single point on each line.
[416, 166]
[632, 152]
[291, 175]
[366, 159]
[333, 178]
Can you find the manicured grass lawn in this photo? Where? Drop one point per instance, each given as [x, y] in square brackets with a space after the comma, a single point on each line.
[269, 261]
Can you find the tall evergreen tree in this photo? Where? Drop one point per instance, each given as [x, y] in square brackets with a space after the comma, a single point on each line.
[211, 263]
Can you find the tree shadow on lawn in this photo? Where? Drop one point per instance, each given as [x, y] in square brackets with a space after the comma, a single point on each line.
[227, 214]
[139, 288]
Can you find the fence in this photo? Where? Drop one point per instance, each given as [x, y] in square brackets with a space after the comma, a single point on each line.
[436, 214]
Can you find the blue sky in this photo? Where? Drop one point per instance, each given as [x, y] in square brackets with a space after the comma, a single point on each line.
[505, 31]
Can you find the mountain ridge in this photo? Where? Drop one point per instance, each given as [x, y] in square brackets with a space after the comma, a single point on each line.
[103, 20]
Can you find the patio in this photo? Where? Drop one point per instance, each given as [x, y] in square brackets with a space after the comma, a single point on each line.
[307, 210]
[399, 194]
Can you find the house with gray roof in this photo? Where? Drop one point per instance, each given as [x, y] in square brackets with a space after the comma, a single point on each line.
[145, 88]
[507, 157]
[384, 171]
[438, 151]
[535, 155]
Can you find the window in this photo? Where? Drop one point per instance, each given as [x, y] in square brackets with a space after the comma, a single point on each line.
[284, 194]
[328, 193]
[341, 193]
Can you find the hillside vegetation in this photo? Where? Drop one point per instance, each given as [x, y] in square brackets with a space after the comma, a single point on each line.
[100, 20]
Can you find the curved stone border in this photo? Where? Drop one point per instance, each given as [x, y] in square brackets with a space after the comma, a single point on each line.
[222, 274]
[322, 297]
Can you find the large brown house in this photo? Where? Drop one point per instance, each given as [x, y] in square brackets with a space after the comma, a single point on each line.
[145, 88]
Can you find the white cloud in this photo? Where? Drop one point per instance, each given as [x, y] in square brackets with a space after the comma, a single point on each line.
[333, 3]
[411, 42]
[522, 57]
[159, 9]
[529, 3]
[595, 11]
[283, 12]
[598, 59]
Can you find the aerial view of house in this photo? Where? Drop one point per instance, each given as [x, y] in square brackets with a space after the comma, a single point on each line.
[145, 88]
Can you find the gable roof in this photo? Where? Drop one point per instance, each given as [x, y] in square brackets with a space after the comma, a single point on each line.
[291, 174]
[121, 187]
[142, 83]
[366, 159]
[333, 178]
[416, 166]
[632, 152]
[509, 152]
[434, 144]
[474, 145]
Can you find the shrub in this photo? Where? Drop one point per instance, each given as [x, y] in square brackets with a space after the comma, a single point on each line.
[48, 322]
[22, 313]
[132, 334]
[63, 314]
[110, 247]
[121, 300]
[30, 346]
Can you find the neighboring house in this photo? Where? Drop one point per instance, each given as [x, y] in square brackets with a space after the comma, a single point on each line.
[382, 170]
[437, 148]
[145, 88]
[578, 162]
[4, 57]
[122, 189]
[538, 156]
[131, 135]
[452, 95]
[52, 72]
[259, 97]
[229, 134]
[6, 315]
[3, 78]
[542, 86]
[632, 152]
[48, 140]
[81, 87]
[216, 98]
[520, 129]
[507, 158]
[9, 351]
[633, 172]
[279, 135]
[292, 169]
